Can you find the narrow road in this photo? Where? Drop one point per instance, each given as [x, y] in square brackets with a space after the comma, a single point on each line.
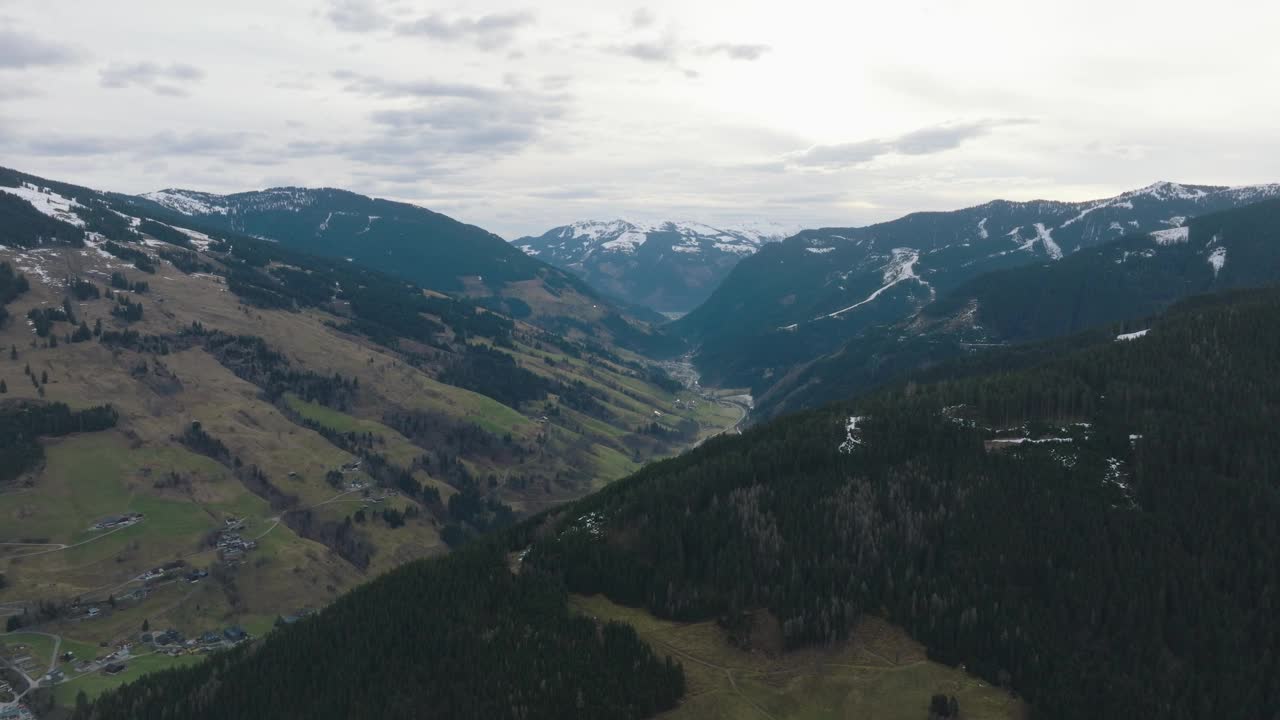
[60, 548]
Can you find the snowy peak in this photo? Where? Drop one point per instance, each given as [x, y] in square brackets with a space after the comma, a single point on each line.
[578, 240]
[189, 202]
[669, 265]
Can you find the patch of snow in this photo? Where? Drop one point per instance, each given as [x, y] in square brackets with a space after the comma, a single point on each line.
[1217, 259]
[199, 239]
[901, 268]
[48, 202]
[1172, 236]
[630, 240]
[529, 250]
[1124, 337]
[1029, 441]
[819, 250]
[1045, 237]
[1175, 221]
[852, 436]
[188, 202]
[982, 229]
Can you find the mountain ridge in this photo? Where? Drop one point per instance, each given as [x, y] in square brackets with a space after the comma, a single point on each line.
[827, 285]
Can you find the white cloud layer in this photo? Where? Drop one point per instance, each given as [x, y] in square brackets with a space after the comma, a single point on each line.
[518, 116]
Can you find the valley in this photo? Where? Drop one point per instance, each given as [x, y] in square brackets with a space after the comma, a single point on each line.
[215, 438]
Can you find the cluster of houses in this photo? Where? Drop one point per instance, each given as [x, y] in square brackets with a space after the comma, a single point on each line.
[112, 522]
[172, 642]
[159, 573]
[232, 547]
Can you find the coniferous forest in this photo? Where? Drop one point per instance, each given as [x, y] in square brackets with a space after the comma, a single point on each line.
[457, 637]
[1094, 531]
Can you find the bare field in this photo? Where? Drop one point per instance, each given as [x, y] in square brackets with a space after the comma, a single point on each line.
[879, 673]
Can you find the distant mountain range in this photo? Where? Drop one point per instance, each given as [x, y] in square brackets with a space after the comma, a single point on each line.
[670, 267]
[808, 296]
[1126, 280]
[416, 244]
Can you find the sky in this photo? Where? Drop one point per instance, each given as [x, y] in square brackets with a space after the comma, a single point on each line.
[519, 116]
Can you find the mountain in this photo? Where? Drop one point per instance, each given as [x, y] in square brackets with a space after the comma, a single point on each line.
[1123, 280]
[805, 297]
[1092, 531]
[671, 267]
[200, 429]
[418, 245]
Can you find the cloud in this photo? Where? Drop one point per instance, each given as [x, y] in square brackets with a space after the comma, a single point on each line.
[925, 141]
[357, 16]
[204, 143]
[643, 17]
[669, 50]
[160, 79]
[665, 50]
[487, 32]
[385, 88]
[448, 119]
[18, 51]
[736, 51]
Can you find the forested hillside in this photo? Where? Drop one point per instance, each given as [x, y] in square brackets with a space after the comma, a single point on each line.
[459, 638]
[1095, 532]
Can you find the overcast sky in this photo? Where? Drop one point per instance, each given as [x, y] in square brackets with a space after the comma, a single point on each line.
[521, 116]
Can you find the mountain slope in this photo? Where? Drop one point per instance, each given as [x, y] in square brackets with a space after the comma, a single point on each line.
[823, 287]
[671, 267]
[414, 243]
[338, 422]
[1094, 532]
[1127, 279]
[1062, 528]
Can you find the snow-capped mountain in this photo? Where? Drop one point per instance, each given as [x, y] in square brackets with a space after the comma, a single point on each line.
[668, 266]
[825, 286]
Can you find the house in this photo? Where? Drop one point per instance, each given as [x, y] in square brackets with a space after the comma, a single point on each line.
[93, 612]
[115, 668]
[168, 637]
[211, 638]
[235, 634]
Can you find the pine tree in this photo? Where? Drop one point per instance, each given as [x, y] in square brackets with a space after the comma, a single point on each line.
[3, 387]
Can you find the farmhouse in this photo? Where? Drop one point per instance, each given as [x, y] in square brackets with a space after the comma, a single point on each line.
[114, 668]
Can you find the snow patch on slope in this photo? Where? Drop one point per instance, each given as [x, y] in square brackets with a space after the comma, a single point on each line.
[1217, 259]
[1045, 237]
[852, 435]
[901, 268]
[188, 202]
[47, 202]
[1172, 236]
[1124, 337]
